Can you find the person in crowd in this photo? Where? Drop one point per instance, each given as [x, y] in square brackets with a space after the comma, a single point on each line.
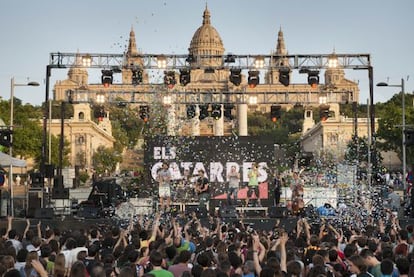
[164, 189]
[156, 261]
[394, 200]
[296, 187]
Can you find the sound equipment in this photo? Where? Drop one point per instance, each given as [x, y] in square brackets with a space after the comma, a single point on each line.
[33, 203]
[44, 213]
[228, 212]
[37, 180]
[60, 193]
[50, 170]
[278, 212]
[88, 212]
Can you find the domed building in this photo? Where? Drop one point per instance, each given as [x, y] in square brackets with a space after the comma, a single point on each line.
[206, 49]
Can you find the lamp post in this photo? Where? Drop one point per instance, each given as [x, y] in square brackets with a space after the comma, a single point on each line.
[12, 85]
[404, 152]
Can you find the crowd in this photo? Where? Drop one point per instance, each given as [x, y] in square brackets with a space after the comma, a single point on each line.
[185, 246]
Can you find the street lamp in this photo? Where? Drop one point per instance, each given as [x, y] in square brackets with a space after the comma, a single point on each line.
[404, 153]
[12, 85]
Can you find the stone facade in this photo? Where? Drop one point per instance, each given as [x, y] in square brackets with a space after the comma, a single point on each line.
[205, 41]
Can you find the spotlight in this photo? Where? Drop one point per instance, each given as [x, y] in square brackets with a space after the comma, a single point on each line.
[253, 79]
[190, 58]
[227, 111]
[313, 78]
[136, 76]
[107, 77]
[191, 111]
[230, 58]
[185, 77]
[235, 76]
[203, 111]
[324, 112]
[169, 79]
[6, 137]
[284, 76]
[99, 112]
[275, 113]
[144, 113]
[216, 111]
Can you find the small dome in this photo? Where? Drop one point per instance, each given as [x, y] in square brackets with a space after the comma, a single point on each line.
[206, 40]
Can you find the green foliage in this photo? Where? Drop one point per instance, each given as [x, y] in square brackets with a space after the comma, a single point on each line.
[390, 124]
[105, 159]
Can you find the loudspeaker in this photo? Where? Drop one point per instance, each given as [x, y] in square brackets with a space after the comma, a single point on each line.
[44, 213]
[278, 212]
[228, 212]
[37, 180]
[88, 212]
[33, 203]
[60, 193]
[50, 170]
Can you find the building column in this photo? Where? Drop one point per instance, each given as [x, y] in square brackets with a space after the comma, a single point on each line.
[242, 119]
[195, 123]
[219, 124]
[171, 120]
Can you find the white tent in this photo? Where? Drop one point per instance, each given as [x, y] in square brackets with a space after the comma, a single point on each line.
[5, 161]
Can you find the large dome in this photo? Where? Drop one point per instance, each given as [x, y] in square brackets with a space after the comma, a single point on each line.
[207, 41]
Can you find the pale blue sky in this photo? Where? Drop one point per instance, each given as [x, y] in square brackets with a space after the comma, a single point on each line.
[30, 30]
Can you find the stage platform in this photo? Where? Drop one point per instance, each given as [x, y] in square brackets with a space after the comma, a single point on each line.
[63, 223]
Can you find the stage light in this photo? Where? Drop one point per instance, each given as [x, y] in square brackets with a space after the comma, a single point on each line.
[235, 76]
[253, 79]
[230, 58]
[216, 111]
[169, 79]
[228, 110]
[99, 112]
[185, 76]
[136, 76]
[259, 62]
[161, 62]
[107, 77]
[203, 111]
[284, 76]
[275, 112]
[144, 113]
[191, 111]
[409, 137]
[86, 60]
[6, 137]
[324, 112]
[190, 58]
[313, 78]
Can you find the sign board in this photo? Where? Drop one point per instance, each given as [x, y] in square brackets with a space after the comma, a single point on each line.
[215, 155]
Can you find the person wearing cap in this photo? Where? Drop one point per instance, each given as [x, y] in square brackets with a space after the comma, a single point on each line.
[394, 199]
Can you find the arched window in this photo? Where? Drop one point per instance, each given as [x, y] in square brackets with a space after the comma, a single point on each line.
[81, 116]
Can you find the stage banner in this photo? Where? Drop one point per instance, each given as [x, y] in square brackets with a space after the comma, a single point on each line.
[215, 155]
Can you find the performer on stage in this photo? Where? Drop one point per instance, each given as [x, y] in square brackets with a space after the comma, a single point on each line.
[297, 193]
[164, 190]
[277, 188]
[234, 179]
[202, 188]
[253, 185]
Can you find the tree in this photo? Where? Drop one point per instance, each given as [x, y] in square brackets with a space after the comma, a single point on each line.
[105, 160]
[389, 135]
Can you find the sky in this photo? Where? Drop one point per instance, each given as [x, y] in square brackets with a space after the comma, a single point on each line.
[31, 30]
